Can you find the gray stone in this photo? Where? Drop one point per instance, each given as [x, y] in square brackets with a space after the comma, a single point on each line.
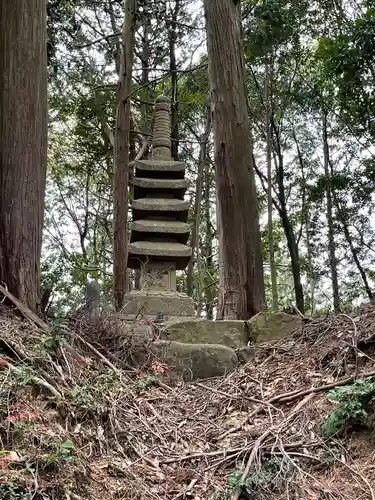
[160, 165]
[141, 304]
[173, 252]
[160, 183]
[160, 204]
[245, 354]
[156, 247]
[161, 226]
[232, 333]
[266, 327]
[192, 361]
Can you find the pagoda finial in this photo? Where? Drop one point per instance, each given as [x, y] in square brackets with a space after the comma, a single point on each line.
[161, 142]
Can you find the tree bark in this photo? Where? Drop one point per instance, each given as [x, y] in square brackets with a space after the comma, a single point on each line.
[23, 145]
[275, 297]
[172, 35]
[285, 220]
[121, 157]
[210, 288]
[331, 234]
[237, 197]
[197, 216]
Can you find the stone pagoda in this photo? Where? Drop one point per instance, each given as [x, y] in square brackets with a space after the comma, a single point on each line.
[159, 232]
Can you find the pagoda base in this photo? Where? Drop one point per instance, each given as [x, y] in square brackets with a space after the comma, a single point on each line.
[152, 303]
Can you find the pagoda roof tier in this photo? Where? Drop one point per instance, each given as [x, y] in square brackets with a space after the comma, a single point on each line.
[150, 183]
[160, 205]
[143, 186]
[143, 229]
[165, 251]
[160, 165]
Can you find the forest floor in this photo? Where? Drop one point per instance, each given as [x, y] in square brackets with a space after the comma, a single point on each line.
[75, 423]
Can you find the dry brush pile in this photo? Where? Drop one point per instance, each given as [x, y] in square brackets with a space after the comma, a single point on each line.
[76, 424]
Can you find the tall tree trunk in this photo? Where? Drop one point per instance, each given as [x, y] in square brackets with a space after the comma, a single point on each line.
[209, 265]
[197, 215]
[174, 81]
[121, 157]
[275, 297]
[305, 225]
[285, 220]
[237, 197]
[331, 234]
[23, 145]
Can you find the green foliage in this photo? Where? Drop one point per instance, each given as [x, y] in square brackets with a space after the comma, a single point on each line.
[10, 491]
[353, 402]
[64, 451]
[272, 473]
[92, 394]
[144, 383]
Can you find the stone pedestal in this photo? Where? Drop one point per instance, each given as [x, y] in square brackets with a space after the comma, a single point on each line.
[159, 233]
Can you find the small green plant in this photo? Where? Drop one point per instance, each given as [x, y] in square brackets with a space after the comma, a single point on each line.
[354, 401]
[64, 452]
[273, 473]
[49, 342]
[235, 480]
[144, 382]
[23, 375]
[90, 395]
[10, 491]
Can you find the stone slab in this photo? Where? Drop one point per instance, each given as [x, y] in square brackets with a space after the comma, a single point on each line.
[160, 165]
[160, 204]
[192, 361]
[145, 305]
[233, 334]
[160, 226]
[144, 182]
[162, 248]
[266, 327]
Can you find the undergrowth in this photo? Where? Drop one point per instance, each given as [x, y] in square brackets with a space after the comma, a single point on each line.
[354, 401]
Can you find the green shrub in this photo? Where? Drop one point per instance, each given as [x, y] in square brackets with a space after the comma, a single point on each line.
[10, 491]
[354, 402]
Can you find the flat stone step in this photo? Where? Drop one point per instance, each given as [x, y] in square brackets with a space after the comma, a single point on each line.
[161, 226]
[144, 182]
[160, 165]
[160, 204]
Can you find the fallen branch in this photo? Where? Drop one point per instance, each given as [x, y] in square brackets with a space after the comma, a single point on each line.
[261, 438]
[4, 363]
[92, 349]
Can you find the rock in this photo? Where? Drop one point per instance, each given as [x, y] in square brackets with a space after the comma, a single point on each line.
[265, 327]
[231, 334]
[192, 361]
[149, 304]
[245, 354]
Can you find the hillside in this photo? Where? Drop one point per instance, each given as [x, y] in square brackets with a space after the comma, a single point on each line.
[76, 423]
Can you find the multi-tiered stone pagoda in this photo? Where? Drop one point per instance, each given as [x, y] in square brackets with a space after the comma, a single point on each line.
[159, 232]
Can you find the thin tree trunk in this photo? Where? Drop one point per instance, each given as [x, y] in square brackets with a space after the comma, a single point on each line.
[349, 240]
[121, 157]
[210, 288]
[174, 81]
[275, 298]
[145, 92]
[331, 235]
[23, 145]
[311, 268]
[287, 225]
[197, 213]
[237, 197]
